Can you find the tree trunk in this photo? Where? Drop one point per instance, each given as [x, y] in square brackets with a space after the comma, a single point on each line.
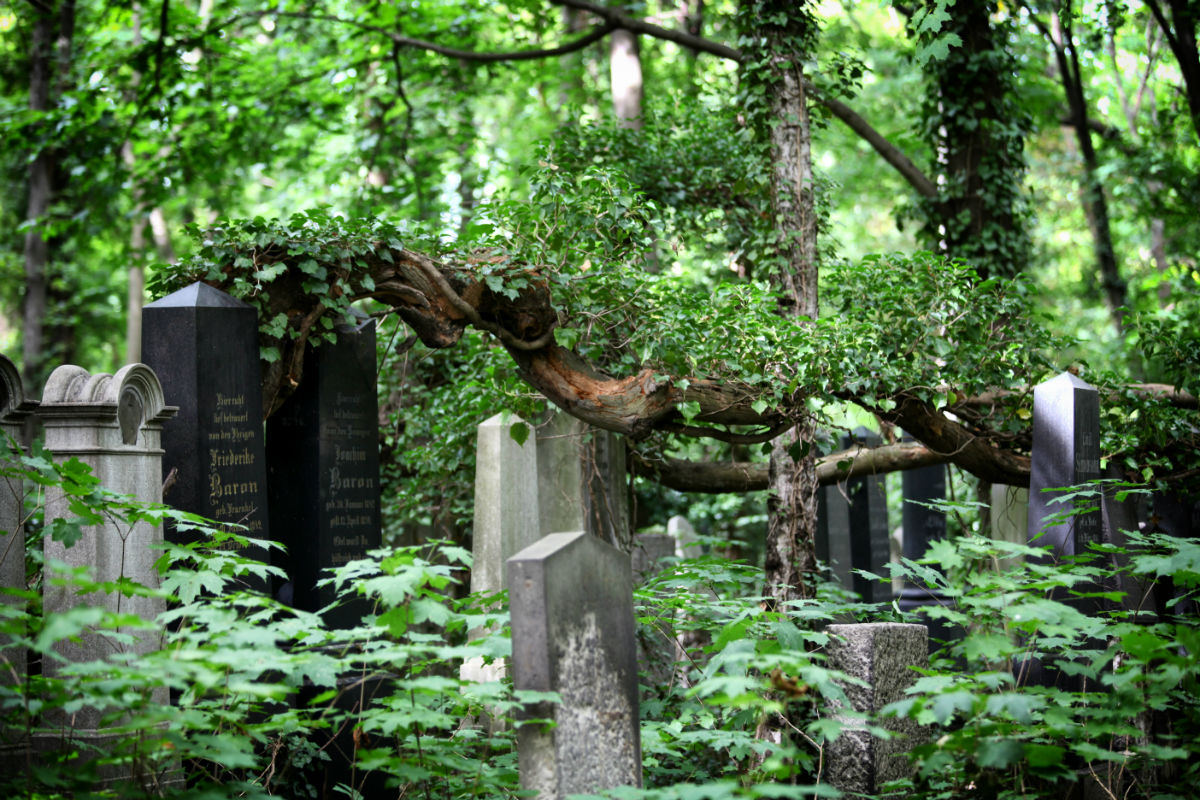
[792, 499]
[1095, 204]
[977, 130]
[625, 71]
[1180, 31]
[40, 171]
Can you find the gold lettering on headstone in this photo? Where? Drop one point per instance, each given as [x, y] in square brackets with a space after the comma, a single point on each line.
[232, 491]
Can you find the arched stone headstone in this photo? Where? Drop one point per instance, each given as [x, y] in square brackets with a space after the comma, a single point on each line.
[112, 423]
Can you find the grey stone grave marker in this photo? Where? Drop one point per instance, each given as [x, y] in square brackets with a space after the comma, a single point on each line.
[14, 410]
[203, 345]
[506, 514]
[570, 597]
[883, 654]
[687, 544]
[112, 423]
[323, 468]
[1066, 452]
[582, 480]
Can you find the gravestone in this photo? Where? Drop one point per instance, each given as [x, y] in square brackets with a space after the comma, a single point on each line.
[582, 480]
[113, 424]
[833, 533]
[15, 408]
[885, 655]
[323, 469]
[649, 550]
[687, 543]
[1066, 453]
[922, 525]
[203, 345]
[506, 515]
[570, 598]
[1009, 513]
[852, 528]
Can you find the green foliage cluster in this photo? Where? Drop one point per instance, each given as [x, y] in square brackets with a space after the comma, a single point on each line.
[262, 695]
[1122, 709]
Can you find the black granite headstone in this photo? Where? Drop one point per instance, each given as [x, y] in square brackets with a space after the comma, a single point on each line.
[833, 533]
[323, 466]
[852, 528]
[203, 345]
[1066, 453]
[922, 525]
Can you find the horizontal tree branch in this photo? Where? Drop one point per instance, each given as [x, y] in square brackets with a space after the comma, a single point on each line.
[716, 477]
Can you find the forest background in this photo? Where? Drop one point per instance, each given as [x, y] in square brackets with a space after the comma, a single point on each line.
[654, 189]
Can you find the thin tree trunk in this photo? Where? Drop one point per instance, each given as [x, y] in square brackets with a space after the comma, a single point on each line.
[1094, 201]
[40, 171]
[625, 74]
[792, 499]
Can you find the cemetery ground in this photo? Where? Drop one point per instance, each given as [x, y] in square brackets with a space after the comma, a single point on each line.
[1072, 676]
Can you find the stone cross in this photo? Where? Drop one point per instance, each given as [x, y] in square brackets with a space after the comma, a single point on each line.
[1066, 453]
[203, 345]
[323, 468]
[571, 603]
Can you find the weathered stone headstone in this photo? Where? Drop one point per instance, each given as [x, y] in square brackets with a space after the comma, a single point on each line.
[1066, 453]
[582, 480]
[884, 655]
[506, 514]
[1010, 513]
[112, 423]
[922, 525]
[649, 550]
[571, 604]
[14, 410]
[203, 345]
[687, 543]
[323, 468]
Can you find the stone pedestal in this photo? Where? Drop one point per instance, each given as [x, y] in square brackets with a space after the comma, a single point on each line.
[882, 654]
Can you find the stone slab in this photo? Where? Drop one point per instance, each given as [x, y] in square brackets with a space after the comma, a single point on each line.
[572, 632]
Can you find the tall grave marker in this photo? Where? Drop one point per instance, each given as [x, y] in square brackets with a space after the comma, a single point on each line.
[112, 423]
[1066, 452]
[571, 602]
[582, 480]
[323, 467]
[852, 528]
[923, 525]
[203, 345]
[14, 410]
[506, 515]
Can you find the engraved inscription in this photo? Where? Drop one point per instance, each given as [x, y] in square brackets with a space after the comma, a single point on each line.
[351, 481]
[233, 486]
